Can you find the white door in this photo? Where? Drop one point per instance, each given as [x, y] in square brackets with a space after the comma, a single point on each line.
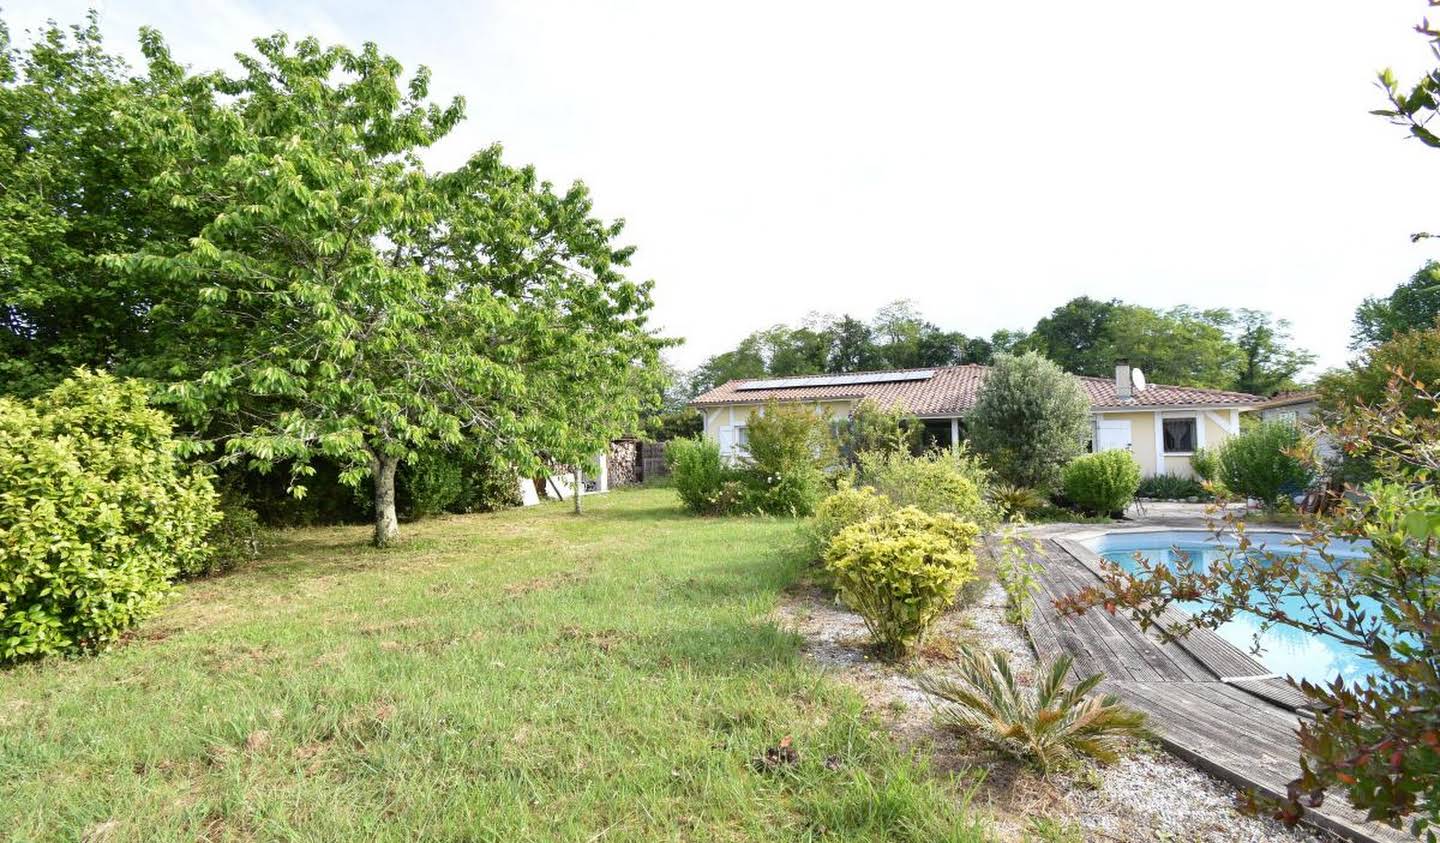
[1110, 435]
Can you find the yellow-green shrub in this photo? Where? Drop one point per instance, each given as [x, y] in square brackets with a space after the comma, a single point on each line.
[901, 570]
[97, 514]
[937, 481]
[848, 505]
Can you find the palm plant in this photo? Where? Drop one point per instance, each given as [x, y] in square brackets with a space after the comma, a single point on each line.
[1050, 725]
[1016, 502]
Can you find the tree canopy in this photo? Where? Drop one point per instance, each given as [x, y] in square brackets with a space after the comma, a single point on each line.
[73, 192]
[299, 284]
[1412, 306]
[898, 337]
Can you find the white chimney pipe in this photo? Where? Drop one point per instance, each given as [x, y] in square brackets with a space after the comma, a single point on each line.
[1122, 379]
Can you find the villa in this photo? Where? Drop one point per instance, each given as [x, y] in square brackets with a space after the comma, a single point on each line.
[1161, 425]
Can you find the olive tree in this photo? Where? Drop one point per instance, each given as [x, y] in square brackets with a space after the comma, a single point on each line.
[350, 304]
[1030, 419]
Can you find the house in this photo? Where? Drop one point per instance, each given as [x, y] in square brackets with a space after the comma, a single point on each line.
[1161, 425]
[1297, 407]
[1302, 409]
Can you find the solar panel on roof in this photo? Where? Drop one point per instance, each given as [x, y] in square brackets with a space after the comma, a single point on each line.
[837, 380]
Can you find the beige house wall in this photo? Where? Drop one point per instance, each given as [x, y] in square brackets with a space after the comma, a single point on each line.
[1142, 437]
[720, 422]
[1212, 428]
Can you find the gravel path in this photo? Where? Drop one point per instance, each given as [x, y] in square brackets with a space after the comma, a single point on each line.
[1148, 795]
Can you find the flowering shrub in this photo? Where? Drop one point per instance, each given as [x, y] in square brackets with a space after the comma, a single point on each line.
[1102, 483]
[900, 571]
[97, 514]
[785, 461]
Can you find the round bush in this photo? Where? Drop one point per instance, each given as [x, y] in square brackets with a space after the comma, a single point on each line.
[934, 482]
[1030, 419]
[1102, 483]
[97, 514]
[1262, 463]
[699, 475]
[847, 506]
[901, 570]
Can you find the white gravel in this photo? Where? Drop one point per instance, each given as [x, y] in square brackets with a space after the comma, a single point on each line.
[1148, 795]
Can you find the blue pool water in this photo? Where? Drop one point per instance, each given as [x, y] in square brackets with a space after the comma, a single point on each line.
[1284, 651]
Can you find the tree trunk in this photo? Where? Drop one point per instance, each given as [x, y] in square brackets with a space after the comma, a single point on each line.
[577, 491]
[387, 526]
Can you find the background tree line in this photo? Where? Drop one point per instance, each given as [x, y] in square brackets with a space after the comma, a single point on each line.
[1245, 350]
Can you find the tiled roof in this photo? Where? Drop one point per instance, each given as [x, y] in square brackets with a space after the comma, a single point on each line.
[953, 390]
[1286, 399]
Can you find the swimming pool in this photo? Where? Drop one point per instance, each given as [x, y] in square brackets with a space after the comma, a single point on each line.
[1283, 650]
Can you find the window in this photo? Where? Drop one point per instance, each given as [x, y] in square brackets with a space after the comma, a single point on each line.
[742, 437]
[1179, 435]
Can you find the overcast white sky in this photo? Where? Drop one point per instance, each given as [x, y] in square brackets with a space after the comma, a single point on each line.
[989, 161]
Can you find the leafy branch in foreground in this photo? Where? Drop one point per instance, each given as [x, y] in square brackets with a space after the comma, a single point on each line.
[1377, 738]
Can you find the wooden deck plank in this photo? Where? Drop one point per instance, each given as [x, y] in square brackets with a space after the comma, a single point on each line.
[1195, 721]
[1218, 657]
[1138, 658]
[1241, 729]
[1275, 690]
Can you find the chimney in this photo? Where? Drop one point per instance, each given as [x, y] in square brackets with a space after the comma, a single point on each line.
[1122, 379]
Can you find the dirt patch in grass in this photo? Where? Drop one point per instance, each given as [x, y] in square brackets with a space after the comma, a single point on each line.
[603, 640]
[546, 582]
[392, 626]
[1148, 795]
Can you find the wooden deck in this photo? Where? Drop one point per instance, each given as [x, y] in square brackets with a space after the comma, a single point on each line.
[1208, 702]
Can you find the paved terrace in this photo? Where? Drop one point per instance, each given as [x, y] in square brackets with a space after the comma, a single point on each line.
[1209, 702]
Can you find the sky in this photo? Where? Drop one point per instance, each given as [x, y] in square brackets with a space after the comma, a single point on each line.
[988, 161]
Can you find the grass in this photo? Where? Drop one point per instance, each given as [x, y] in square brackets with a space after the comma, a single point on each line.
[525, 675]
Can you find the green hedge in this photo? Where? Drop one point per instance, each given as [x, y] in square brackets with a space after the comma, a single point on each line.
[97, 514]
[705, 484]
[1171, 487]
[1103, 483]
[935, 482]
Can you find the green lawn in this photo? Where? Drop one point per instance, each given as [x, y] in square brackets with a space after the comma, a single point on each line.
[526, 675]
